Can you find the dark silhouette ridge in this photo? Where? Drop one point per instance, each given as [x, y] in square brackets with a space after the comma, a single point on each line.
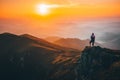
[30, 58]
[26, 57]
[98, 63]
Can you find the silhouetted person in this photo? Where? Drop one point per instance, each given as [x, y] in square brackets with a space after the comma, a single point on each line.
[92, 41]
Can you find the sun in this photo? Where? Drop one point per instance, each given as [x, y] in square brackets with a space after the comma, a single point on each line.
[43, 9]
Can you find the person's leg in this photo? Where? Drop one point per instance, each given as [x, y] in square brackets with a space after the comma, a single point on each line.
[93, 43]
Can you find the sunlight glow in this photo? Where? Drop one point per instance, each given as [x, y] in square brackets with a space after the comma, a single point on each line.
[43, 9]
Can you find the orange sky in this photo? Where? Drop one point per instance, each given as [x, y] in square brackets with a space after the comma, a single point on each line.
[78, 18]
[81, 8]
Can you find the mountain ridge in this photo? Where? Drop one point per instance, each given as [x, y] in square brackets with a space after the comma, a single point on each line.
[74, 43]
[23, 57]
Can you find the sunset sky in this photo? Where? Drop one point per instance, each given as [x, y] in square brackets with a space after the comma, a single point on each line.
[64, 18]
[75, 8]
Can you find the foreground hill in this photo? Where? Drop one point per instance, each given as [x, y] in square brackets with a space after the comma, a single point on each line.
[98, 63]
[26, 57]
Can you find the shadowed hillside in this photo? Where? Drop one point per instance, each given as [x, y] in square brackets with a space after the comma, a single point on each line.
[26, 57]
[98, 63]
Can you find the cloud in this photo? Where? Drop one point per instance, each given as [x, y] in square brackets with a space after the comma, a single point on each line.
[112, 40]
[110, 36]
[77, 2]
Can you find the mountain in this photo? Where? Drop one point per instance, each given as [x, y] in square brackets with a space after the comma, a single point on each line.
[25, 57]
[74, 43]
[48, 44]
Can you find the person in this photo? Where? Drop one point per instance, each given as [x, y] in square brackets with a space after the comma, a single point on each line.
[92, 41]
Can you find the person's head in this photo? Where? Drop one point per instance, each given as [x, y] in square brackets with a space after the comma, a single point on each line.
[92, 33]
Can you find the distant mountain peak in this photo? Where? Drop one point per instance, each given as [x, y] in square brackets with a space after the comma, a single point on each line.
[28, 36]
[25, 35]
[8, 34]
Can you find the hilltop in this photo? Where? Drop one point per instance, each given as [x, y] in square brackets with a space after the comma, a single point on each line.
[98, 63]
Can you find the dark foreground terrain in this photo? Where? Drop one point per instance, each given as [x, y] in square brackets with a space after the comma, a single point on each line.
[26, 57]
